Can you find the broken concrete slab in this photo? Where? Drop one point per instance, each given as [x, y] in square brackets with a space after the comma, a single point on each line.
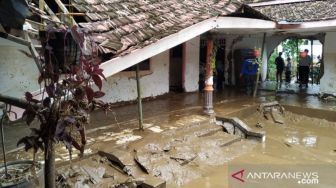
[153, 182]
[95, 174]
[209, 131]
[182, 154]
[228, 141]
[117, 156]
[241, 128]
[229, 128]
[277, 116]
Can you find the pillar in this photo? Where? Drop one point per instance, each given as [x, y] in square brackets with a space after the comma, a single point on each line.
[208, 90]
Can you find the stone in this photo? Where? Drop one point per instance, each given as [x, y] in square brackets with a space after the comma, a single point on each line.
[153, 182]
[259, 125]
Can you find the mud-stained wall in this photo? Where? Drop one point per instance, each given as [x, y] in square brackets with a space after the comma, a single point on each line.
[192, 48]
[122, 86]
[328, 81]
[18, 72]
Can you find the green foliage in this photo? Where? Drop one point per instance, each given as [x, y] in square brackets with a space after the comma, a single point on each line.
[290, 49]
[272, 66]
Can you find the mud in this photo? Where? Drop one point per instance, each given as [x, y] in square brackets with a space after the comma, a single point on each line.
[301, 140]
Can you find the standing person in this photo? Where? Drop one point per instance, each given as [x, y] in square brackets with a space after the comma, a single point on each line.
[288, 70]
[249, 73]
[280, 64]
[304, 65]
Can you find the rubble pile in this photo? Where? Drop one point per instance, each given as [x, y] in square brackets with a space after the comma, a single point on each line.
[172, 157]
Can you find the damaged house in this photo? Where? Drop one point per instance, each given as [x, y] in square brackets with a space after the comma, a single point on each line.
[168, 39]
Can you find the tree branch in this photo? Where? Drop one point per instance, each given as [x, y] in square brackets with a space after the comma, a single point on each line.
[17, 102]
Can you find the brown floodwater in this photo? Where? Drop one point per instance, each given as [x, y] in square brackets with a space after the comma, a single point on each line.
[301, 140]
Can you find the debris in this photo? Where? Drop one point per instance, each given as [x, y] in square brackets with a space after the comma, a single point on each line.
[327, 96]
[167, 147]
[277, 117]
[153, 182]
[208, 132]
[275, 109]
[259, 125]
[228, 127]
[227, 142]
[95, 174]
[182, 154]
[287, 144]
[119, 157]
[240, 128]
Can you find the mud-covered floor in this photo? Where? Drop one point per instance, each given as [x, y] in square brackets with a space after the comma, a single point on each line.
[300, 140]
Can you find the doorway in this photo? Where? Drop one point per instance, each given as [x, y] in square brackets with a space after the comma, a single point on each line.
[176, 69]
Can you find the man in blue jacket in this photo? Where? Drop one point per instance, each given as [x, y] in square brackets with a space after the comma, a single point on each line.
[249, 72]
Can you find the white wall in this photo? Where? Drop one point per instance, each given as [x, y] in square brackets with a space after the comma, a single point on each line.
[192, 48]
[328, 81]
[18, 72]
[120, 87]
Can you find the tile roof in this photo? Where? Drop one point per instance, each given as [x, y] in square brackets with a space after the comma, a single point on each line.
[120, 26]
[314, 10]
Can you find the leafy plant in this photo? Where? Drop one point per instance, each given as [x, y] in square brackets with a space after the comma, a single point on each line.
[72, 87]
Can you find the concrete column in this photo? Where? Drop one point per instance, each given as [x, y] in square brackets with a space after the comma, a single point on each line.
[328, 83]
[192, 48]
[208, 90]
[264, 60]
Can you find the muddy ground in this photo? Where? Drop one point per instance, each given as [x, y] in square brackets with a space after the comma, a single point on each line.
[193, 161]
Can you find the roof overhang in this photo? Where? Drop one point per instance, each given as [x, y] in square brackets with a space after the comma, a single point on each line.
[317, 26]
[229, 24]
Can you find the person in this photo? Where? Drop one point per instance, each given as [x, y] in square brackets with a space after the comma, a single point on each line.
[280, 64]
[249, 72]
[304, 68]
[288, 70]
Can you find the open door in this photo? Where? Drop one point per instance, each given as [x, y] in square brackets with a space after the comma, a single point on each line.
[176, 69]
